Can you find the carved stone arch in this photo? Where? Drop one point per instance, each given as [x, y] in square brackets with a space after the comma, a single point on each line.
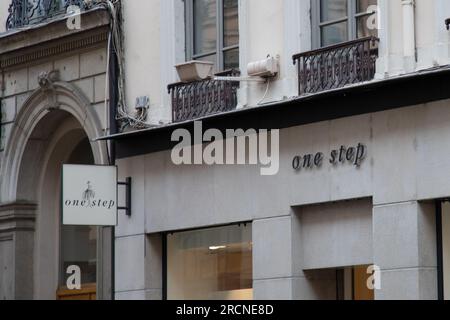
[49, 104]
[49, 126]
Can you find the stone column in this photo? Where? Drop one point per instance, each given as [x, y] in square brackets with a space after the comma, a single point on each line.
[278, 266]
[404, 236]
[272, 259]
[17, 223]
[153, 267]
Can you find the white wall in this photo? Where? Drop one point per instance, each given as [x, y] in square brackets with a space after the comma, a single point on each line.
[337, 235]
[142, 53]
[431, 37]
[4, 5]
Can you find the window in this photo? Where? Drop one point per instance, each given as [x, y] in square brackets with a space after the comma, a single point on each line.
[210, 264]
[336, 21]
[79, 248]
[212, 32]
[351, 284]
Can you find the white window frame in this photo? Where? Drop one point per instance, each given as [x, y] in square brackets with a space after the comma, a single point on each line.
[220, 49]
[351, 18]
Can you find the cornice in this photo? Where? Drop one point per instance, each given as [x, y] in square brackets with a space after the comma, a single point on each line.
[19, 216]
[6, 208]
[53, 38]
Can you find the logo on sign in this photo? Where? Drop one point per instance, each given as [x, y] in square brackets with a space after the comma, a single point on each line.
[89, 195]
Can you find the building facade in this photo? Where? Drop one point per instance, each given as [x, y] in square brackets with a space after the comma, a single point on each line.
[358, 120]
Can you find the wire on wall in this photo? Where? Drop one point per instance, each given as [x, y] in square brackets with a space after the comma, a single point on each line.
[138, 118]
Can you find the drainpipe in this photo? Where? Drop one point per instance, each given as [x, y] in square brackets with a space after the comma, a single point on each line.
[409, 36]
[113, 100]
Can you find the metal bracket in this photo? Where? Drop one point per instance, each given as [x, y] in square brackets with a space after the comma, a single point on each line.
[127, 185]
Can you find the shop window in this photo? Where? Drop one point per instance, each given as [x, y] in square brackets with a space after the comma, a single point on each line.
[351, 284]
[79, 248]
[210, 264]
[78, 245]
[336, 21]
[212, 32]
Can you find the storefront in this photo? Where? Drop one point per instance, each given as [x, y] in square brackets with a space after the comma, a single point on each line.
[210, 264]
[351, 213]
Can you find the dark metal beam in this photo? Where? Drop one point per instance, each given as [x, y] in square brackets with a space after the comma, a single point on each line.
[376, 96]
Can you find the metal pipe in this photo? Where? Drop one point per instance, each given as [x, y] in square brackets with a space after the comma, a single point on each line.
[409, 37]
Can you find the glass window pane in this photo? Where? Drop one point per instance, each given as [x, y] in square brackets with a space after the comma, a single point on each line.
[332, 10]
[230, 23]
[366, 26]
[363, 5]
[210, 264]
[334, 33]
[79, 248]
[211, 58]
[205, 26]
[231, 59]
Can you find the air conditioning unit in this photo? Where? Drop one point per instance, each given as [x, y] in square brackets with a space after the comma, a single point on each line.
[195, 70]
[264, 68]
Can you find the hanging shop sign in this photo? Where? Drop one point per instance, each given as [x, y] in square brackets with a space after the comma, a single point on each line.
[89, 195]
[353, 155]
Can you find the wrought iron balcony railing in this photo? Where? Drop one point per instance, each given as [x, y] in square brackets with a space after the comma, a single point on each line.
[27, 12]
[197, 99]
[337, 66]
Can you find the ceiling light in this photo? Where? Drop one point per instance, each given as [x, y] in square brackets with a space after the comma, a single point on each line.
[215, 248]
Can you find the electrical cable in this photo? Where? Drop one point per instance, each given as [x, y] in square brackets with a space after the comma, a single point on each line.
[265, 93]
[138, 119]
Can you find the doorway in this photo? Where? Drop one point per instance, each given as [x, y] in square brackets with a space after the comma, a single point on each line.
[43, 138]
[58, 138]
[443, 248]
[78, 244]
[351, 284]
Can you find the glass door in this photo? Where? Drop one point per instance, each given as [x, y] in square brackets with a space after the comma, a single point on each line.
[78, 246]
[78, 252]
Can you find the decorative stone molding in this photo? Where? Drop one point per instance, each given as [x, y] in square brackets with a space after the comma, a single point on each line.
[18, 216]
[68, 98]
[57, 48]
[46, 81]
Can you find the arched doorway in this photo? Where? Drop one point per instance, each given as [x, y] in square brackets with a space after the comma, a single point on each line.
[78, 244]
[57, 247]
[55, 127]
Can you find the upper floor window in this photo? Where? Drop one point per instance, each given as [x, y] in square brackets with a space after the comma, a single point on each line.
[336, 21]
[212, 32]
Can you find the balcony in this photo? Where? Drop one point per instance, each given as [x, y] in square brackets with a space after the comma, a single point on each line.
[336, 66]
[22, 13]
[197, 99]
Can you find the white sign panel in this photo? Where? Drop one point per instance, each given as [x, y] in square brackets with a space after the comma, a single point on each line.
[89, 195]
